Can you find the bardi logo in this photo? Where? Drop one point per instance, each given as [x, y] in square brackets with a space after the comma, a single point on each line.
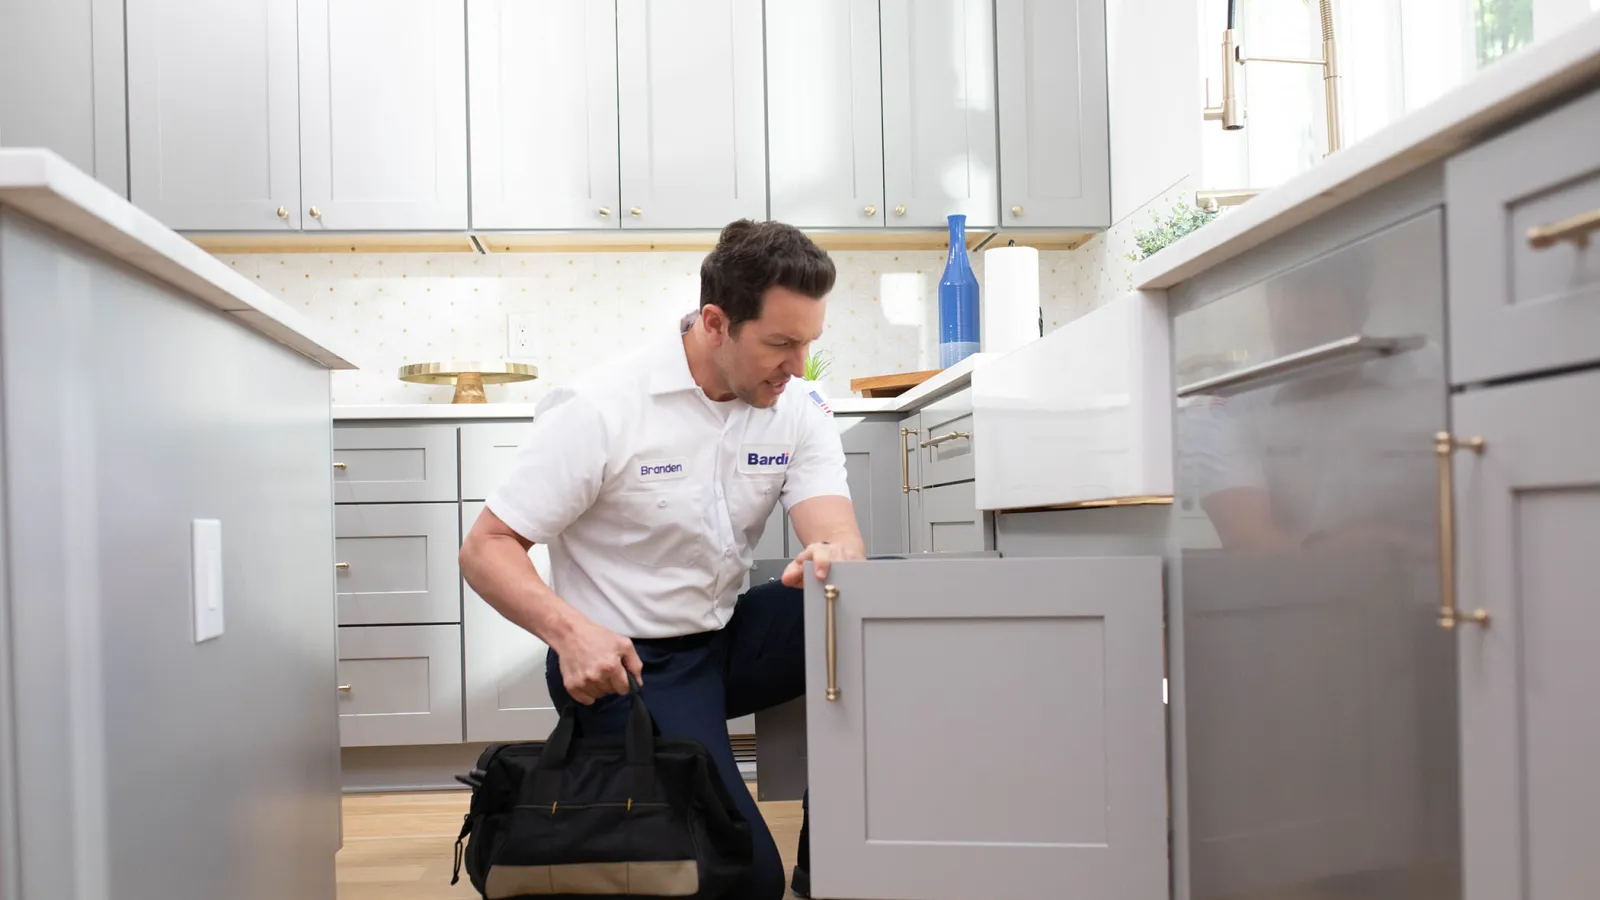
[756, 459]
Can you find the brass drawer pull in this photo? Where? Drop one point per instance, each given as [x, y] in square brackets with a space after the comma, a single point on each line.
[831, 593]
[1445, 446]
[1575, 229]
[952, 436]
[340, 466]
[344, 688]
[905, 469]
[339, 565]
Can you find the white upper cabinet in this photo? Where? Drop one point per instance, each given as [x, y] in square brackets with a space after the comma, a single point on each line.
[1055, 168]
[692, 112]
[213, 131]
[543, 77]
[939, 111]
[825, 113]
[383, 114]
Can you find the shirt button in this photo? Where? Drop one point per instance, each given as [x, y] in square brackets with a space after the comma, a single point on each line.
[662, 504]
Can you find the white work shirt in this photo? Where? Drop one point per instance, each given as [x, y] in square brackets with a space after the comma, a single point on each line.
[651, 496]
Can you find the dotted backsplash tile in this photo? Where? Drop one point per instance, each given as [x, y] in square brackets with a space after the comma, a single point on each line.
[393, 309]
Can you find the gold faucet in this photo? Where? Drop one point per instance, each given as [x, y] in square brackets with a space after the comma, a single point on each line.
[1231, 111]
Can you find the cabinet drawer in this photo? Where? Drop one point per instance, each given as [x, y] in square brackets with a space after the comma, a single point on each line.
[944, 443]
[1519, 304]
[397, 563]
[949, 520]
[399, 685]
[394, 465]
[487, 453]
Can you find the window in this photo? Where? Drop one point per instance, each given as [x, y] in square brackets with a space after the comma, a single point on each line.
[1394, 56]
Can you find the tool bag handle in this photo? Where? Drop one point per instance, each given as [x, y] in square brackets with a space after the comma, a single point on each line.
[639, 741]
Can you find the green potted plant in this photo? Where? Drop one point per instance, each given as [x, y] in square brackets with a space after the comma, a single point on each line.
[1182, 220]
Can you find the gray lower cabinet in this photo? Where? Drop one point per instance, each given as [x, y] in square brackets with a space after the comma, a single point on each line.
[873, 473]
[1033, 685]
[384, 464]
[399, 684]
[395, 564]
[1528, 514]
[950, 521]
[506, 695]
[939, 495]
[488, 451]
[1524, 274]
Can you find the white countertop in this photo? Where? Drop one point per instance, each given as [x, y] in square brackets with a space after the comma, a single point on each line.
[951, 379]
[434, 411]
[1467, 114]
[43, 186]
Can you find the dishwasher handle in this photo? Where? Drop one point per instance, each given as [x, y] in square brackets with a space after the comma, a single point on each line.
[1354, 345]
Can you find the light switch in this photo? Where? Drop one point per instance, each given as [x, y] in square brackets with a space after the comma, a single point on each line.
[206, 559]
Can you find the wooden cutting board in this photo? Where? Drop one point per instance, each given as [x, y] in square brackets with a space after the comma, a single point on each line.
[890, 385]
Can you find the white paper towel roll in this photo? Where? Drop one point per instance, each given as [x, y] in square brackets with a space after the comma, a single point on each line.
[1009, 304]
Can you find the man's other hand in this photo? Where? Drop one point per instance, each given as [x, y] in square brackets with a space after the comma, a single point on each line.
[820, 555]
[595, 662]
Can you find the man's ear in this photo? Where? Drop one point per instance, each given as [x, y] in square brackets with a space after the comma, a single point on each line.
[715, 322]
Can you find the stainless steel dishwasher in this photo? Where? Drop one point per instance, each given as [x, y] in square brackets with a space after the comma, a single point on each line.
[1319, 695]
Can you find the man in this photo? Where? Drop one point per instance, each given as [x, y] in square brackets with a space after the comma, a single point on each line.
[650, 480]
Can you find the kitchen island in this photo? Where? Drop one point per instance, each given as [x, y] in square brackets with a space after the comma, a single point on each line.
[167, 728]
[1387, 384]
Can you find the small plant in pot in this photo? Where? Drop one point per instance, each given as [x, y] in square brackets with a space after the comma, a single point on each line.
[1183, 220]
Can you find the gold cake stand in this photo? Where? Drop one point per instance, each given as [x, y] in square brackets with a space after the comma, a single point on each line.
[468, 376]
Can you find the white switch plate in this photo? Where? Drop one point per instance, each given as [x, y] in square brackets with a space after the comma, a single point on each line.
[207, 590]
[519, 335]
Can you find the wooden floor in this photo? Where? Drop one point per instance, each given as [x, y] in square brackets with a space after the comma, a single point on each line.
[401, 846]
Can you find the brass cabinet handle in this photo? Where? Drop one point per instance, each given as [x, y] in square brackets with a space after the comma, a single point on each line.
[605, 212]
[283, 213]
[1575, 229]
[905, 468]
[1017, 211]
[339, 565]
[871, 211]
[315, 213]
[344, 688]
[339, 465]
[831, 593]
[636, 212]
[1445, 446]
[900, 210]
[952, 436]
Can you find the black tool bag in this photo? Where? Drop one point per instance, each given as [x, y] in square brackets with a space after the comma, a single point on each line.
[601, 816]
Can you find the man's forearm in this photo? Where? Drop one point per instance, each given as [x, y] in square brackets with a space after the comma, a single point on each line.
[498, 569]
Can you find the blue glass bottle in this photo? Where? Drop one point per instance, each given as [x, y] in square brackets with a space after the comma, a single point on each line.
[958, 300]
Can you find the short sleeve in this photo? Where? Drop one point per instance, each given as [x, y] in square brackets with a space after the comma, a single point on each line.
[817, 467]
[557, 473]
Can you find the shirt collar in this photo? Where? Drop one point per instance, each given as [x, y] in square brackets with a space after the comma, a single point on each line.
[670, 368]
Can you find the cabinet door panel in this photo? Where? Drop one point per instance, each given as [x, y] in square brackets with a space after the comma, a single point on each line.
[1528, 510]
[488, 451]
[692, 113]
[1046, 698]
[950, 520]
[404, 685]
[394, 465]
[873, 474]
[398, 563]
[1054, 122]
[505, 689]
[939, 111]
[213, 113]
[543, 76]
[825, 115]
[383, 114]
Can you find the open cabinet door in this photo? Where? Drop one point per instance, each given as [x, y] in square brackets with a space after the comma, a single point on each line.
[997, 731]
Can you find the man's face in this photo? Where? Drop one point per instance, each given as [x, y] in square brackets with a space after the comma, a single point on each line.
[768, 351]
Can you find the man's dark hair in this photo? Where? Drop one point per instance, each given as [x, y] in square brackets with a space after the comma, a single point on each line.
[751, 257]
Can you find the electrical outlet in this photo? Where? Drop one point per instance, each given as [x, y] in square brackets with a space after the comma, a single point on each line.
[519, 336]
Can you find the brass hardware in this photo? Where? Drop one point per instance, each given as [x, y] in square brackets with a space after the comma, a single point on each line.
[605, 211]
[1445, 446]
[339, 465]
[341, 565]
[952, 436]
[905, 468]
[1575, 229]
[900, 210]
[1211, 201]
[315, 213]
[344, 688]
[283, 213]
[1230, 110]
[1016, 211]
[636, 212]
[831, 594]
[871, 211]
[1347, 346]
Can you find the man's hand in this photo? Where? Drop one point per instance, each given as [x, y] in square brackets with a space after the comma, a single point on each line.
[595, 662]
[820, 555]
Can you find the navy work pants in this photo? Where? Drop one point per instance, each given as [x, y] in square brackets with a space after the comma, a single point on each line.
[695, 684]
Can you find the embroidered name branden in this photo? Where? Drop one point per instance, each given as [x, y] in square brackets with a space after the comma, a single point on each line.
[658, 469]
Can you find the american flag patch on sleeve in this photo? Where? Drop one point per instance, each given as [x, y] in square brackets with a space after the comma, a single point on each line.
[816, 397]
